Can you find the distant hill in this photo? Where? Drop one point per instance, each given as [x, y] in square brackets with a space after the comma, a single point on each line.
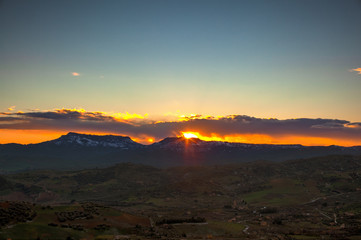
[80, 151]
[121, 182]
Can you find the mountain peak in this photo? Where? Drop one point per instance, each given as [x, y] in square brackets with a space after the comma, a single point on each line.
[73, 134]
[178, 142]
[88, 140]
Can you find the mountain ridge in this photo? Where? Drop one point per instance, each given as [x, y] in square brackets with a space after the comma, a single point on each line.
[94, 140]
[80, 151]
[167, 140]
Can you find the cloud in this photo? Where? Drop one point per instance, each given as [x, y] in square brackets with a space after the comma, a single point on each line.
[240, 128]
[81, 115]
[358, 70]
[9, 119]
[353, 125]
[12, 108]
[75, 74]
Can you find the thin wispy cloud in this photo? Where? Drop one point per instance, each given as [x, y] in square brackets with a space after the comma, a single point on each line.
[358, 70]
[12, 108]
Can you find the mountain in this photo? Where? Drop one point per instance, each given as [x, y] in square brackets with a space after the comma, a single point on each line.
[196, 144]
[70, 151]
[87, 140]
[80, 151]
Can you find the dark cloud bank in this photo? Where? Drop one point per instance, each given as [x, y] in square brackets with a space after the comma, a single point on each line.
[74, 120]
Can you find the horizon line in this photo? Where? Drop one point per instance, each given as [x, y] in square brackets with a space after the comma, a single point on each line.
[200, 138]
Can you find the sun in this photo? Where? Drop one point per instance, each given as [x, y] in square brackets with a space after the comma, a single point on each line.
[189, 135]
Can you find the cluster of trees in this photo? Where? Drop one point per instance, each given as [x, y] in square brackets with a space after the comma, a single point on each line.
[72, 215]
[13, 212]
[181, 220]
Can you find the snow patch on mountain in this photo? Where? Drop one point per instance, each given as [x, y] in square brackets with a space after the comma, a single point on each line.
[87, 140]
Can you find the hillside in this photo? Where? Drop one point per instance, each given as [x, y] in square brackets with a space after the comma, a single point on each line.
[288, 200]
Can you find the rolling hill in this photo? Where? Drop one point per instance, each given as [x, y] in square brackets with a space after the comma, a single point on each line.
[295, 199]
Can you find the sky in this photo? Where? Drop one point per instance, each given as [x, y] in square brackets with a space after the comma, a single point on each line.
[182, 64]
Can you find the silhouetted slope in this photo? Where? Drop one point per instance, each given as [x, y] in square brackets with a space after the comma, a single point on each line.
[79, 151]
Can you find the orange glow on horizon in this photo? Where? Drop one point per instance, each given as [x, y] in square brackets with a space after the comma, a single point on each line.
[28, 136]
[37, 136]
[267, 139]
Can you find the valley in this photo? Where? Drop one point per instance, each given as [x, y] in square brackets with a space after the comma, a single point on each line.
[296, 199]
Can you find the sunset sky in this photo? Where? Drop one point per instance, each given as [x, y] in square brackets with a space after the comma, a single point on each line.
[253, 71]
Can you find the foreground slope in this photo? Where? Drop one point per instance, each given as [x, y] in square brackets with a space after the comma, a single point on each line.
[298, 199]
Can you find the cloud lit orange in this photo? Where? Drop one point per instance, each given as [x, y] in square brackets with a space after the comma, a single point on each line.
[12, 108]
[145, 129]
[358, 70]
